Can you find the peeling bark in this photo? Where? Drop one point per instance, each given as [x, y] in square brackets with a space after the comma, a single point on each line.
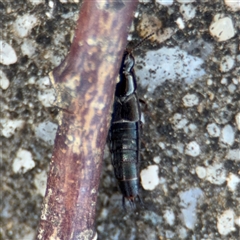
[85, 83]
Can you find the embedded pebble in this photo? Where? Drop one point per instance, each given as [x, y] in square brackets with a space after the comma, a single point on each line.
[222, 28]
[36, 2]
[40, 181]
[233, 154]
[9, 126]
[152, 217]
[186, 1]
[190, 100]
[24, 24]
[28, 232]
[169, 216]
[164, 2]
[23, 161]
[182, 233]
[149, 177]
[193, 149]
[232, 181]
[225, 222]
[43, 83]
[28, 47]
[51, 4]
[188, 11]
[157, 159]
[232, 88]
[46, 131]
[227, 135]
[7, 53]
[237, 221]
[162, 145]
[180, 23]
[216, 173]
[175, 64]
[237, 120]
[201, 172]
[190, 129]
[209, 82]
[233, 4]
[235, 81]
[179, 147]
[47, 97]
[213, 130]
[4, 82]
[227, 63]
[224, 81]
[179, 121]
[188, 203]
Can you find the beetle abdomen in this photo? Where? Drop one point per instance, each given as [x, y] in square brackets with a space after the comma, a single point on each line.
[125, 156]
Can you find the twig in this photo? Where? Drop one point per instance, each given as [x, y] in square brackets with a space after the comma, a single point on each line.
[85, 83]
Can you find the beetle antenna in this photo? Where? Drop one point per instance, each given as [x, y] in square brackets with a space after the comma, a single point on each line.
[142, 41]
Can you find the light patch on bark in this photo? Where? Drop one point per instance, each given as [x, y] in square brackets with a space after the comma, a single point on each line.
[46, 205]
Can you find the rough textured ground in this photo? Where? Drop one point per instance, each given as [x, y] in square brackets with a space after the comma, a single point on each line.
[189, 78]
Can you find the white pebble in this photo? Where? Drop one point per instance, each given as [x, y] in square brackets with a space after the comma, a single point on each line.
[190, 100]
[47, 97]
[192, 149]
[216, 174]
[190, 129]
[201, 172]
[235, 81]
[175, 63]
[180, 23]
[186, 1]
[164, 2]
[179, 147]
[232, 88]
[237, 221]
[188, 204]
[7, 53]
[179, 121]
[233, 4]
[222, 28]
[213, 130]
[46, 131]
[24, 24]
[28, 47]
[233, 154]
[188, 11]
[40, 181]
[227, 135]
[23, 162]
[157, 159]
[169, 216]
[9, 126]
[209, 82]
[149, 177]
[36, 2]
[237, 120]
[226, 64]
[162, 145]
[225, 222]
[232, 181]
[43, 83]
[224, 81]
[51, 4]
[4, 82]
[31, 80]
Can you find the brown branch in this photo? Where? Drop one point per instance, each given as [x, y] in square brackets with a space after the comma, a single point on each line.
[85, 83]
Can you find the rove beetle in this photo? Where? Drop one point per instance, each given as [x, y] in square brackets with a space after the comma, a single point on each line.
[124, 133]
